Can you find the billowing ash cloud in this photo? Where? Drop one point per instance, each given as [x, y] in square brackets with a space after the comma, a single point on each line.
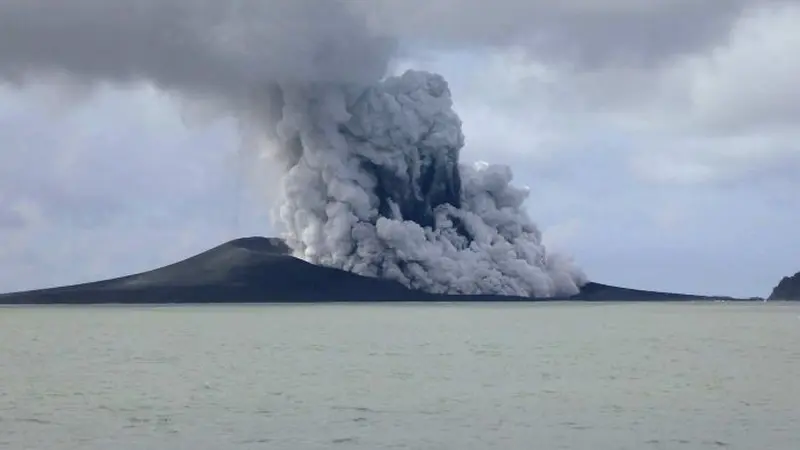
[372, 180]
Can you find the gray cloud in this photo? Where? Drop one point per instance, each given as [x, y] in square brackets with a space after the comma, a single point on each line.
[203, 49]
[673, 121]
[586, 33]
[717, 115]
[204, 45]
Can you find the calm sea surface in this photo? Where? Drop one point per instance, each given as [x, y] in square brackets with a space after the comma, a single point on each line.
[541, 376]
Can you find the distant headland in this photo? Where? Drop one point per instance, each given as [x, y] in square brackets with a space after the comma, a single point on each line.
[261, 270]
[787, 289]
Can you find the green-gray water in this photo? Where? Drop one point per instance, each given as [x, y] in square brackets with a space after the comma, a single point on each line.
[539, 376]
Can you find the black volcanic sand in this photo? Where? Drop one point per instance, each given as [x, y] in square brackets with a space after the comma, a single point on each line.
[259, 270]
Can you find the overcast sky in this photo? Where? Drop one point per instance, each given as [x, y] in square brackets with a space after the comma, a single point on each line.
[660, 141]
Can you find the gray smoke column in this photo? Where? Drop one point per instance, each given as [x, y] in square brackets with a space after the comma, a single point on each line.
[372, 180]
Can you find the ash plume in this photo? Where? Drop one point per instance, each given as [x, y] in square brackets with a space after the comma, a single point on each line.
[372, 180]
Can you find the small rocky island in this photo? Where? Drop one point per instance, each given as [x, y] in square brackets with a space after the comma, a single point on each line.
[787, 289]
[261, 270]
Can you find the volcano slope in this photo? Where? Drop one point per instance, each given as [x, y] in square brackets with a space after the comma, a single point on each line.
[260, 270]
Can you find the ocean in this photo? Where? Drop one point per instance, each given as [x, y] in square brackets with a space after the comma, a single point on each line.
[402, 376]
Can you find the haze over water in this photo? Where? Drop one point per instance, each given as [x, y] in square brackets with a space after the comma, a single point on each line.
[436, 376]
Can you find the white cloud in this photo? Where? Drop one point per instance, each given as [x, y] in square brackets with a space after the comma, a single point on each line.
[749, 84]
[733, 112]
[723, 113]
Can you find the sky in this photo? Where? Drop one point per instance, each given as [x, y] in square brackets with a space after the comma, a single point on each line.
[660, 141]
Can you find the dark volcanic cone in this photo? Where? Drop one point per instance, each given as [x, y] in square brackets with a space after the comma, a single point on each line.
[260, 270]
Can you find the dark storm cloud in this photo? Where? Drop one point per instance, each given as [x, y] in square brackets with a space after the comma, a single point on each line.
[205, 48]
[583, 33]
